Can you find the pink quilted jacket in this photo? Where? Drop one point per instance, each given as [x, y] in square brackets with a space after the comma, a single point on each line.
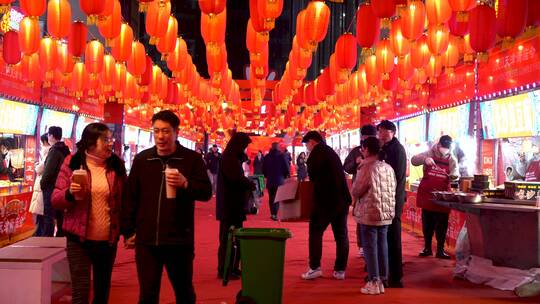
[76, 213]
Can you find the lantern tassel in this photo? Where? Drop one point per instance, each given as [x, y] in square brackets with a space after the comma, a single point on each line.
[143, 7]
[482, 57]
[153, 40]
[462, 16]
[5, 8]
[507, 43]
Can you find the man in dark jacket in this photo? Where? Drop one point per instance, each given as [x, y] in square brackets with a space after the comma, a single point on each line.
[161, 228]
[351, 165]
[394, 154]
[275, 169]
[231, 198]
[53, 163]
[213, 159]
[331, 200]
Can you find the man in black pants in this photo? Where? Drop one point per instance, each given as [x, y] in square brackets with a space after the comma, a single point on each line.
[158, 226]
[275, 169]
[331, 200]
[394, 155]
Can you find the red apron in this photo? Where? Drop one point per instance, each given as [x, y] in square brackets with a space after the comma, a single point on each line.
[435, 179]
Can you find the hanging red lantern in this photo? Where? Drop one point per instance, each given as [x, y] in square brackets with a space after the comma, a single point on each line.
[404, 67]
[48, 54]
[58, 18]
[511, 19]
[167, 43]
[119, 80]
[269, 10]
[212, 7]
[413, 20]
[177, 59]
[419, 76]
[461, 7]
[213, 28]
[30, 68]
[121, 49]
[346, 53]
[300, 33]
[434, 68]
[438, 11]
[215, 58]
[482, 25]
[420, 53]
[110, 27]
[316, 22]
[78, 79]
[533, 13]
[108, 11]
[162, 90]
[450, 58]
[301, 56]
[108, 73]
[255, 41]
[92, 9]
[437, 39]
[363, 85]
[400, 46]
[136, 64]
[93, 57]
[65, 61]
[77, 39]
[29, 35]
[11, 50]
[390, 84]
[33, 8]
[458, 27]
[5, 5]
[466, 49]
[147, 75]
[383, 9]
[373, 75]
[384, 58]
[367, 26]
[157, 20]
[155, 81]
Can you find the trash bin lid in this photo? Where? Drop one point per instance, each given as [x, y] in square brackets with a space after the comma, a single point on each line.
[276, 233]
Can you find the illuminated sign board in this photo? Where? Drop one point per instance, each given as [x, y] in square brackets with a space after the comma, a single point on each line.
[453, 121]
[17, 118]
[412, 131]
[59, 119]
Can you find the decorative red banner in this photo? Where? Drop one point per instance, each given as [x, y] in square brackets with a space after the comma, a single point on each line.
[453, 88]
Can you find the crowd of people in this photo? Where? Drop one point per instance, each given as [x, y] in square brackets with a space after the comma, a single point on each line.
[92, 201]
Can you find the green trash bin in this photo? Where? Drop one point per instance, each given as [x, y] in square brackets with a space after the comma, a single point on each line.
[262, 256]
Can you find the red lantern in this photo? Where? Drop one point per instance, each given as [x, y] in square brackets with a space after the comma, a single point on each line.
[390, 84]
[30, 68]
[92, 8]
[458, 27]
[155, 81]
[466, 49]
[434, 68]
[404, 67]
[363, 85]
[269, 10]
[59, 18]
[143, 5]
[461, 7]
[110, 27]
[167, 43]
[108, 73]
[367, 26]
[177, 59]
[438, 11]
[420, 54]
[316, 22]
[482, 23]
[33, 8]
[147, 75]
[373, 75]
[93, 57]
[450, 58]
[413, 20]
[384, 58]
[213, 28]
[212, 7]
[301, 56]
[11, 50]
[511, 18]
[136, 64]
[255, 41]
[533, 16]
[121, 49]
[216, 59]
[79, 79]
[383, 9]
[346, 53]
[65, 61]
[108, 11]
[5, 5]
[77, 39]
[157, 20]
[119, 80]
[400, 46]
[48, 54]
[437, 39]
[29, 35]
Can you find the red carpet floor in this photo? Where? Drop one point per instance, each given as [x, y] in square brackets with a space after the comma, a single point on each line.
[427, 280]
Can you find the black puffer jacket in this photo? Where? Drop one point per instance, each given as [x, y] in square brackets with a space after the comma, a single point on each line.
[147, 212]
[393, 153]
[53, 163]
[232, 184]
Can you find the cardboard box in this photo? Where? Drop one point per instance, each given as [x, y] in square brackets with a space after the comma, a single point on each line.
[295, 200]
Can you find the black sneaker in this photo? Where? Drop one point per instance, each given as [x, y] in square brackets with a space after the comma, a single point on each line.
[274, 217]
[442, 255]
[425, 253]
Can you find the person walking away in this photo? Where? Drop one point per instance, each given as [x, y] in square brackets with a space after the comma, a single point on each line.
[213, 160]
[258, 163]
[53, 163]
[352, 163]
[36, 203]
[440, 166]
[374, 210]
[275, 169]
[331, 200]
[393, 153]
[301, 168]
[90, 189]
[233, 189]
[158, 218]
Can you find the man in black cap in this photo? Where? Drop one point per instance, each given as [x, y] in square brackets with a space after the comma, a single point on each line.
[351, 165]
[331, 200]
[213, 160]
[393, 153]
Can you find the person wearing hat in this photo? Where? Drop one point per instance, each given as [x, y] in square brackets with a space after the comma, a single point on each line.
[213, 160]
[331, 200]
[440, 166]
[352, 163]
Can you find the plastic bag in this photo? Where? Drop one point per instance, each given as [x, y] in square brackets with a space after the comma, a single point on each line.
[463, 252]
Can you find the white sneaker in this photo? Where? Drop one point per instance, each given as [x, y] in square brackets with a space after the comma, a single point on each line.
[339, 275]
[371, 287]
[381, 286]
[360, 252]
[311, 274]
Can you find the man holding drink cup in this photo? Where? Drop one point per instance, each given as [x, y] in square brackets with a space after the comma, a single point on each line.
[158, 219]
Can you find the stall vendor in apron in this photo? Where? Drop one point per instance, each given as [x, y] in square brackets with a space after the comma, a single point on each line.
[440, 167]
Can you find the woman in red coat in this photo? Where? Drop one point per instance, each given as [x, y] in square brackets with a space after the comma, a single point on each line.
[92, 208]
[440, 167]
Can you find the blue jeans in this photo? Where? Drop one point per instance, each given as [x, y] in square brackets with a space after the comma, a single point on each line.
[375, 251]
[45, 222]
